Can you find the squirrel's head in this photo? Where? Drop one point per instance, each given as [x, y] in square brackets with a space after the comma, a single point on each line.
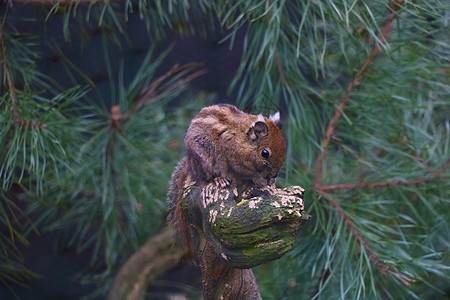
[268, 149]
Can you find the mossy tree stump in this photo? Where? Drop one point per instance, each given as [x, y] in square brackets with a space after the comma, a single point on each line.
[235, 230]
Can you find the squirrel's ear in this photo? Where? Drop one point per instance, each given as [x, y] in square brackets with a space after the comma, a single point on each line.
[276, 119]
[258, 129]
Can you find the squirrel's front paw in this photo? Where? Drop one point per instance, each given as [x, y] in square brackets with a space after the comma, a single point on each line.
[222, 182]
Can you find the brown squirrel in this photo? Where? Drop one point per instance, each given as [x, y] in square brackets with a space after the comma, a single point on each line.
[230, 147]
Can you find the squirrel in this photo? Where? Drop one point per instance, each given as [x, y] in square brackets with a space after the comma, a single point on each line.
[231, 148]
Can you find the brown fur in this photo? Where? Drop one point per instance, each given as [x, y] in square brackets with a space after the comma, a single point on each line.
[225, 143]
[219, 144]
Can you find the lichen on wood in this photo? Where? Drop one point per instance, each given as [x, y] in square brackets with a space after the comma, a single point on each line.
[245, 231]
[237, 229]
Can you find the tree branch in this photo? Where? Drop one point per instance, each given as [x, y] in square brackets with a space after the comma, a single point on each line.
[371, 185]
[156, 256]
[381, 267]
[329, 132]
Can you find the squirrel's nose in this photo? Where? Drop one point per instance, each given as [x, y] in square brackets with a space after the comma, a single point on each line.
[271, 179]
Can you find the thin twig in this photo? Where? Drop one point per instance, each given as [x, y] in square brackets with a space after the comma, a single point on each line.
[329, 132]
[371, 185]
[152, 93]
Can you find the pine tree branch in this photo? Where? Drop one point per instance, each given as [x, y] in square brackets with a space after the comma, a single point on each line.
[329, 132]
[17, 117]
[332, 124]
[152, 93]
[381, 267]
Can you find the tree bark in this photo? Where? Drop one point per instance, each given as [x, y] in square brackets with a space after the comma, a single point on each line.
[235, 231]
[221, 281]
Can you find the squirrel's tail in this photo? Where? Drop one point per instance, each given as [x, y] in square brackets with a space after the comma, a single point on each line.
[176, 217]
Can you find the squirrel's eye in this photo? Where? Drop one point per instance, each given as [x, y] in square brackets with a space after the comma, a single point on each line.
[265, 153]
